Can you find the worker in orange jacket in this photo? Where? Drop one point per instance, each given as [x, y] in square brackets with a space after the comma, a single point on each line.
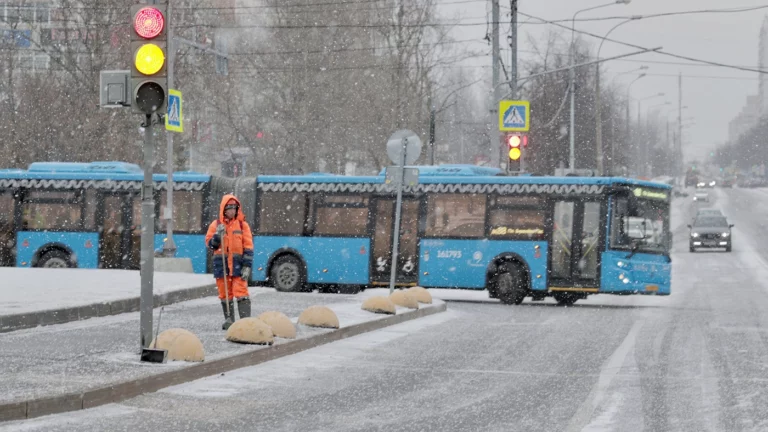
[231, 236]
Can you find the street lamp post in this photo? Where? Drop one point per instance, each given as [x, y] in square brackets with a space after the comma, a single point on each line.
[639, 111]
[572, 85]
[598, 101]
[626, 137]
[648, 162]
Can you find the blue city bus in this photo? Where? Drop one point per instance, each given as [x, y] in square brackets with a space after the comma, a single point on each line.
[465, 227]
[88, 215]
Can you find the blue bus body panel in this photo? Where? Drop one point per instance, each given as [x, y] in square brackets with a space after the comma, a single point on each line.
[188, 246]
[638, 273]
[464, 263]
[328, 259]
[84, 245]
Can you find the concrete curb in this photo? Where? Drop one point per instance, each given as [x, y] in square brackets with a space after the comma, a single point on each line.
[113, 393]
[10, 323]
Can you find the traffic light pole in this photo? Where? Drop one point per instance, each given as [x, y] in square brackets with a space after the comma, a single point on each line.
[147, 236]
[169, 246]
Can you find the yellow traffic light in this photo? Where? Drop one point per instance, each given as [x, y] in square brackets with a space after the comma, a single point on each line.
[150, 58]
[515, 153]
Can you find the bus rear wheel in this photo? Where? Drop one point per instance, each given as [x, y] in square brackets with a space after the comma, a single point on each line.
[511, 286]
[287, 274]
[55, 259]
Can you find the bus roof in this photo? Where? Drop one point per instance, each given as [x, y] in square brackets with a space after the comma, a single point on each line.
[94, 171]
[461, 174]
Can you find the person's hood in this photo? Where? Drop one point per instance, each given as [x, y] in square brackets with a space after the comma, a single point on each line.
[224, 201]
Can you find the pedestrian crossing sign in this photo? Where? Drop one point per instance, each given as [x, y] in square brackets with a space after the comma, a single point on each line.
[514, 116]
[173, 118]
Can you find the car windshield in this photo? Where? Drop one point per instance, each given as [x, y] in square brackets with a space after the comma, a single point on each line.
[709, 212]
[710, 222]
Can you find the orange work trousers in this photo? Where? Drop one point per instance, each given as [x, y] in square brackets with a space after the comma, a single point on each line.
[236, 285]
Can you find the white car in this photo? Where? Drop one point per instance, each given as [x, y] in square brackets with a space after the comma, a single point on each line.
[701, 195]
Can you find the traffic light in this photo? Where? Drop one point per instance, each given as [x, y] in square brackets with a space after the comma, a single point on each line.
[515, 143]
[149, 83]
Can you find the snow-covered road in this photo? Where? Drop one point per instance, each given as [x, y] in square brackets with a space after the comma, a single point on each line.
[694, 361]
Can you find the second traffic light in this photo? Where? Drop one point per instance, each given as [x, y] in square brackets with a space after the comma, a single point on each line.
[515, 145]
[149, 82]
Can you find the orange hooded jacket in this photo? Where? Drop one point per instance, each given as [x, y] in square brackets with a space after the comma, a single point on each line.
[237, 245]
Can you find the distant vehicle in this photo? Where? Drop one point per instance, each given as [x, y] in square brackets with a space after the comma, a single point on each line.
[710, 232]
[691, 179]
[708, 212]
[701, 195]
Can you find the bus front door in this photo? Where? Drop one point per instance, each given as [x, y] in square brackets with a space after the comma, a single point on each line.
[115, 223]
[408, 250]
[575, 243]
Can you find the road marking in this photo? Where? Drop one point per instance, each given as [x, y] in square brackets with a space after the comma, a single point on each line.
[608, 372]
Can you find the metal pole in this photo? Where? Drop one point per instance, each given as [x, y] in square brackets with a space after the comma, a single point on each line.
[398, 206]
[599, 123]
[431, 144]
[679, 152]
[169, 246]
[513, 50]
[572, 129]
[599, 104]
[639, 141]
[147, 237]
[513, 65]
[495, 147]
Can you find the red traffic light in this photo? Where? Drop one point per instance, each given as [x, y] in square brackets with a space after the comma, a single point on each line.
[516, 141]
[148, 22]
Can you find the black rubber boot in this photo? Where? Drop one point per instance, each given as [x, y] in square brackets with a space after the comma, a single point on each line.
[227, 316]
[244, 307]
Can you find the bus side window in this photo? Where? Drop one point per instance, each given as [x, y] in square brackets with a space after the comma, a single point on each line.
[282, 213]
[342, 216]
[7, 235]
[52, 210]
[456, 215]
[89, 216]
[187, 211]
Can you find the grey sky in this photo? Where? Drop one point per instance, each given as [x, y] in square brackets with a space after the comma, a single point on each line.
[725, 37]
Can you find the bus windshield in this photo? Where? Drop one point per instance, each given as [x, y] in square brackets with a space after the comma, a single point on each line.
[641, 222]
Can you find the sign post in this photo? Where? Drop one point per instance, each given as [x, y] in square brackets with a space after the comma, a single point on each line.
[403, 148]
[174, 122]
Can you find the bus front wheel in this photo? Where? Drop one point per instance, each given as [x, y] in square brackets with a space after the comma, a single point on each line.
[287, 274]
[511, 284]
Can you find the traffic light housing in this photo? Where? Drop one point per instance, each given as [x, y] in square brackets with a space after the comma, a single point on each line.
[149, 80]
[515, 145]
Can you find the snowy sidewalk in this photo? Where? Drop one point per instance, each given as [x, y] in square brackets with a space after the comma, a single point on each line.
[37, 296]
[88, 363]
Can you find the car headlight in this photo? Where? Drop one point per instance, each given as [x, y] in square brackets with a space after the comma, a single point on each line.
[694, 235]
[725, 234]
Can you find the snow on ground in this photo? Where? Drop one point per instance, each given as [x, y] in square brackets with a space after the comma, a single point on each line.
[24, 290]
[304, 365]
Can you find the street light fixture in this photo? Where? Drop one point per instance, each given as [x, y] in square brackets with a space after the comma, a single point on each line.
[571, 87]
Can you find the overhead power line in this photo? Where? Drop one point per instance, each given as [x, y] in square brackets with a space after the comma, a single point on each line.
[661, 52]
[663, 14]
